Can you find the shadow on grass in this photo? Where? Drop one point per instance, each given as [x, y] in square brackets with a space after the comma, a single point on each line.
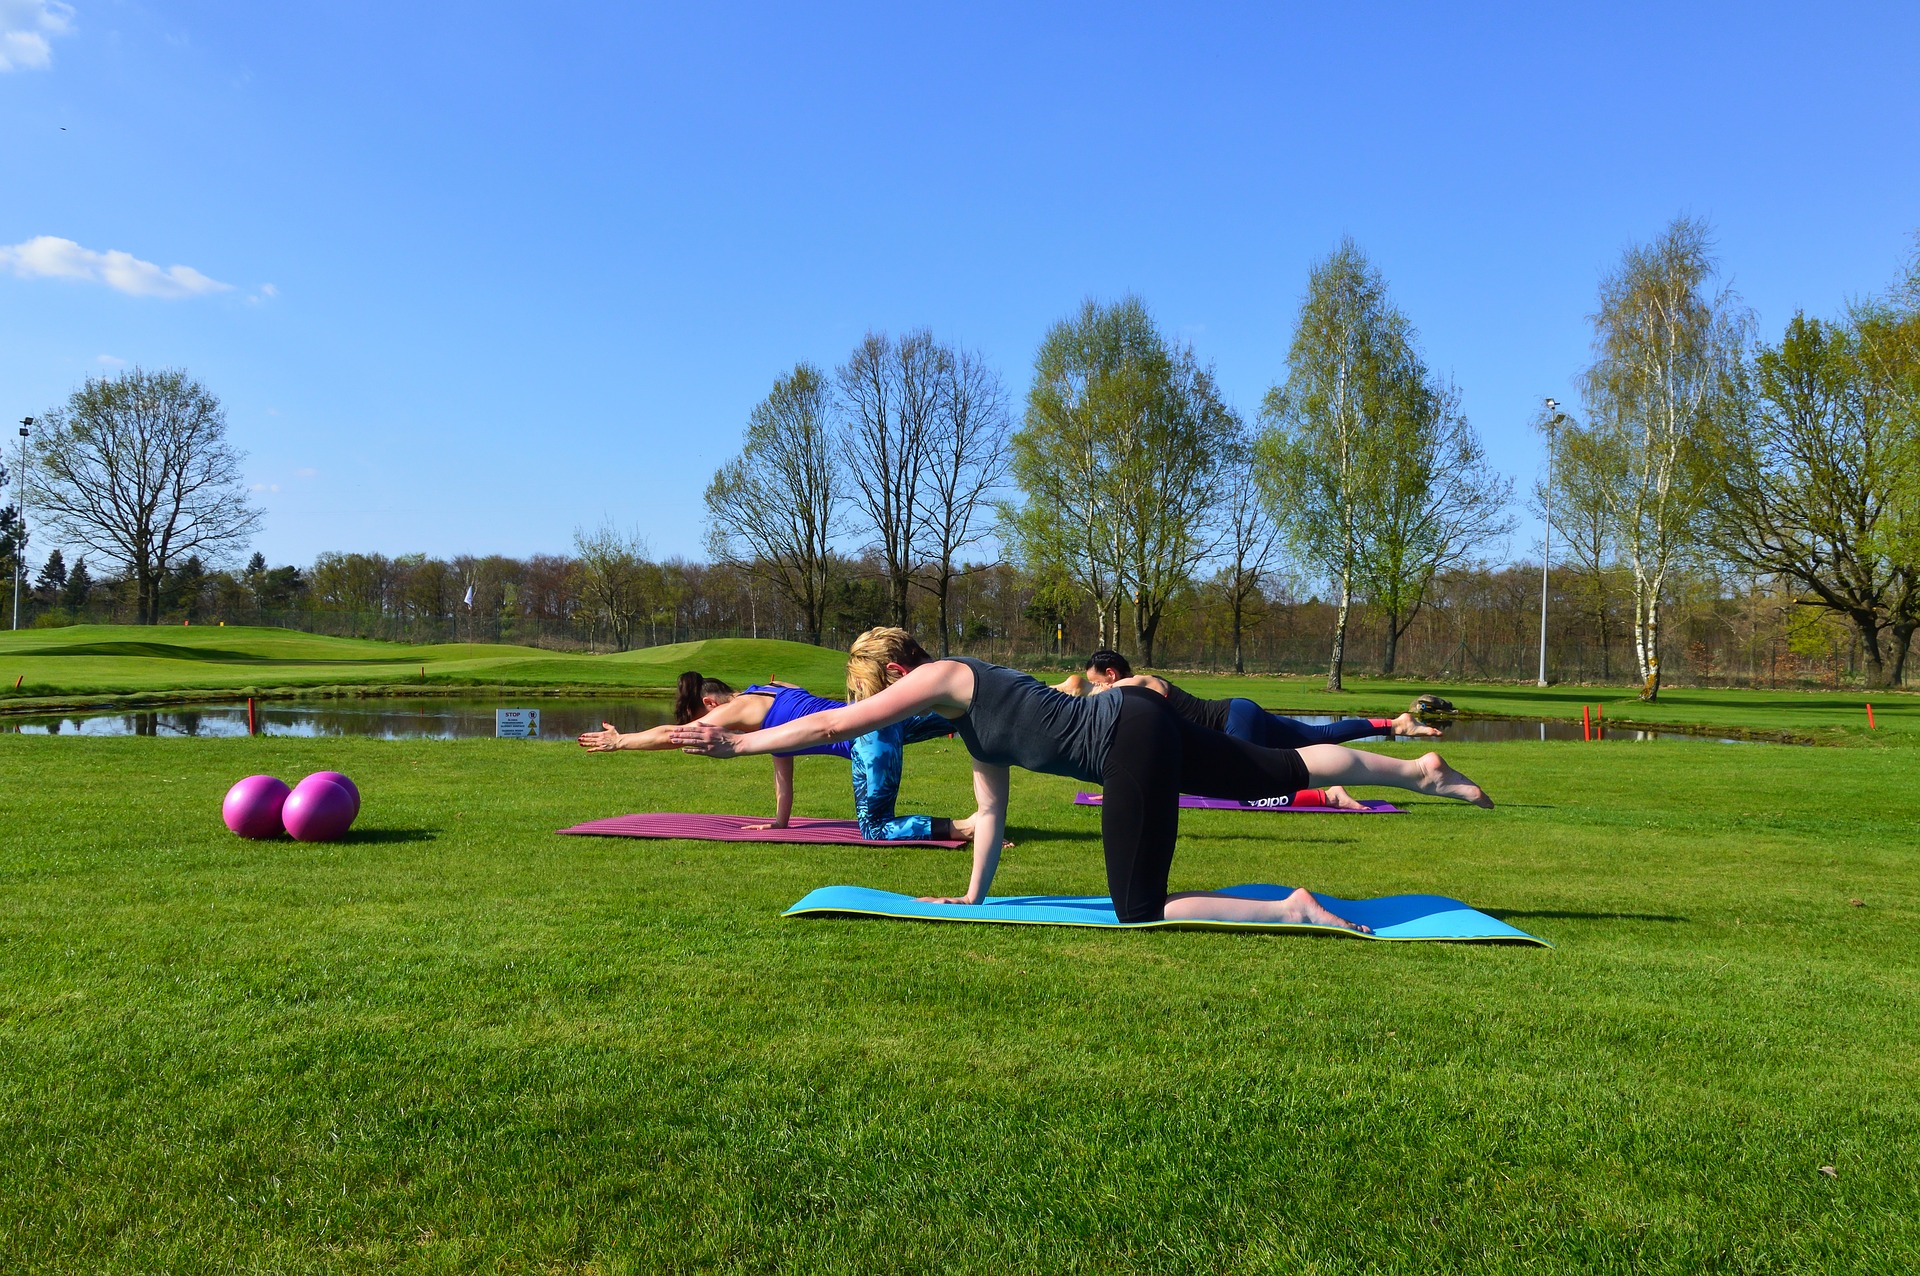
[374, 837]
[1507, 914]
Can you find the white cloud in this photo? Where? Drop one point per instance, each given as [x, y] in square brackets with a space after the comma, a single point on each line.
[269, 290]
[26, 26]
[110, 361]
[307, 471]
[266, 487]
[50, 257]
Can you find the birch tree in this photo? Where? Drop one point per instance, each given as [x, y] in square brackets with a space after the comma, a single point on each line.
[774, 510]
[1319, 455]
[1665, 347]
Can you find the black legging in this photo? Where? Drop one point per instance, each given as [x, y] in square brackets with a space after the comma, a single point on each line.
[1156, 756]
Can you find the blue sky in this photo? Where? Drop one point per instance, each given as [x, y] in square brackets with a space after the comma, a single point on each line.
[467, 277]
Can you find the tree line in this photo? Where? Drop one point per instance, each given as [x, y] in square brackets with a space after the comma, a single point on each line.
[1128, 503]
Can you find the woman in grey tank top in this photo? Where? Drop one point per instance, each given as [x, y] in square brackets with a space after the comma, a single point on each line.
[1128, 741]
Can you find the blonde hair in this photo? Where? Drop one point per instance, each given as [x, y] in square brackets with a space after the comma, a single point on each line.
[872, 652]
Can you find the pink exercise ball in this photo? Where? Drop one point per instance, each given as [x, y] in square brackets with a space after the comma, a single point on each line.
[252, 807]
[318, 810]
[341, 780]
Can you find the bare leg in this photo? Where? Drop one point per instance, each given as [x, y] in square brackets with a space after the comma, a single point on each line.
[1299, 908]
[1429, 773]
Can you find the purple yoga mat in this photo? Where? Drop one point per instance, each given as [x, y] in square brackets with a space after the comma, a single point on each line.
[733, 828]
[1192, 803]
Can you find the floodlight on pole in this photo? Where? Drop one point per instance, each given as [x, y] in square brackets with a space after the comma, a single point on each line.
[20, 533]
[1546, 535]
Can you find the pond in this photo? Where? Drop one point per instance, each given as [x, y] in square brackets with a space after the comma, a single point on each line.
[424, 718]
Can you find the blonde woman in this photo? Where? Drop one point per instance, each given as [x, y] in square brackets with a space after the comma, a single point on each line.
[1128, 741]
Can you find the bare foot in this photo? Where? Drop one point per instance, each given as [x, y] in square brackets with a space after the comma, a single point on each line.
[1407, 725]
[964, 828]
[1441, 780]
[1305, 908]
[1345, 801]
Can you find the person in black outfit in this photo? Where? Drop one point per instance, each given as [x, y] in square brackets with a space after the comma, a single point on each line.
[1238, 716]
[1130, 741]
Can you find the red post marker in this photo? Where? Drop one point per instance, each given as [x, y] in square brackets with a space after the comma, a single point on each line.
[1586, 723]
[17, 681]
[250, 730]
[1870, 725]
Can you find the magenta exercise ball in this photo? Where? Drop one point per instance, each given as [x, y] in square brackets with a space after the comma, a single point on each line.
[252, 807]
[318, 810]
[341, 780]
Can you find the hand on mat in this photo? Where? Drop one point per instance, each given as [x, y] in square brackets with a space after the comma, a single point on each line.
[761, 828]
[605, 740]
[703, 737]
[946, 899]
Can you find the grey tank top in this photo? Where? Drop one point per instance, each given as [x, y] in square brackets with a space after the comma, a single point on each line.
[1017, 721]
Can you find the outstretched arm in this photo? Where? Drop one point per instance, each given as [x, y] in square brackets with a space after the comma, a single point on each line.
[989, 827]
[943, 686]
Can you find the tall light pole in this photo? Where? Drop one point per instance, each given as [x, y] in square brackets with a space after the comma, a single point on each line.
[20, 533]
[1546, 541]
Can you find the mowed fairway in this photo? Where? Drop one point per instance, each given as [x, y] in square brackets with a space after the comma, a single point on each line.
[458, 1042]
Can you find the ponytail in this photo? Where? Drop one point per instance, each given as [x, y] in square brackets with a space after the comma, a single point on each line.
[689, 696]
[686, 699]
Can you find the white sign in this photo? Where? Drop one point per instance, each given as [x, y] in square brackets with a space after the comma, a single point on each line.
[516, 724]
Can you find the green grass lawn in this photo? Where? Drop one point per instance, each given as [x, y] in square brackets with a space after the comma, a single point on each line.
[457, 1042]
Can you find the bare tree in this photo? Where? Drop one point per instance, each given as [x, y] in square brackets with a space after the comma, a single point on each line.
[890, 400]
[1665, 349]
[1249, 545]
[966, 459]
[137, 469]
[773, 511]
[612, 571]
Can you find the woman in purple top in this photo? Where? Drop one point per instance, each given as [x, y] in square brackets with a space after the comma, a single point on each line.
[876, 756]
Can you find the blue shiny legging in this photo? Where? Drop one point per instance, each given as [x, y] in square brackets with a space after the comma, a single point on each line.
[1248, 721]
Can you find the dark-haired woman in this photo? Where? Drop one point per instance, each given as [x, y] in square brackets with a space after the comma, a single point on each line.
[1238, 716]
[876, 757]
[1129, 741]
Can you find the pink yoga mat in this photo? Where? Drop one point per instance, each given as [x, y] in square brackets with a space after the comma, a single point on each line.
[733, 828]
[1192, 803]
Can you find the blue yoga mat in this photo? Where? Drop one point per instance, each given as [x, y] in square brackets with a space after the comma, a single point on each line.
[1401, 917]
